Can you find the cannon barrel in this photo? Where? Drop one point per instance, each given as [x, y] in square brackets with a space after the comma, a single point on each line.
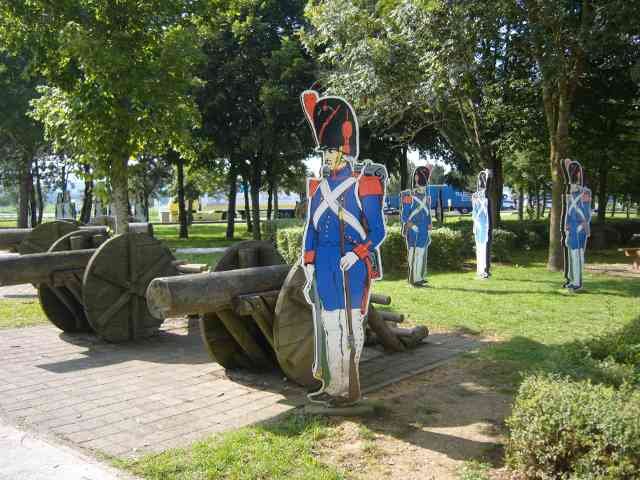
[210, 292]
[40, 267]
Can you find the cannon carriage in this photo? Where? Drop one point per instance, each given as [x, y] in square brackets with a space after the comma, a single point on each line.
[88, 282]
[253, 313]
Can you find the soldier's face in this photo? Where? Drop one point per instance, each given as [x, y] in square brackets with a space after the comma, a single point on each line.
[334, 159]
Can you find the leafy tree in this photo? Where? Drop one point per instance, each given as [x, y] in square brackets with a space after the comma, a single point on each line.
[255, 72]
[118, 77]
[21, 138]
[562, 37]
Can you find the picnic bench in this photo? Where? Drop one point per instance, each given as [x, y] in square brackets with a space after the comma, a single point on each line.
[634, 253]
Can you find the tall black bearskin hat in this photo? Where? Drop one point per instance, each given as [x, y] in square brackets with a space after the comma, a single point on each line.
[333, 122]
[483, 179]
[421, 176]
[573, 172]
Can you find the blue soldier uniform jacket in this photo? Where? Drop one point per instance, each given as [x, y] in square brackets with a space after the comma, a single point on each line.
[416, 208]
[481, 218]
[361, 198]
[578, 218]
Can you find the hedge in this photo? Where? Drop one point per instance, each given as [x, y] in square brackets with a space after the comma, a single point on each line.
[447, 249]
[561, 429]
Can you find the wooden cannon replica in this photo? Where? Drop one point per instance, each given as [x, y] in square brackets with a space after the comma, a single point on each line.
[88, 282]
[253, 313]
[40, 238]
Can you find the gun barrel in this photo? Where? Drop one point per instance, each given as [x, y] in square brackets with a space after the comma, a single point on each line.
[40, 267]
[210, 292]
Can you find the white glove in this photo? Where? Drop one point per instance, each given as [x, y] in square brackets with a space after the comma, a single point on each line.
[309, 270]
[414, 228]
[348, 261]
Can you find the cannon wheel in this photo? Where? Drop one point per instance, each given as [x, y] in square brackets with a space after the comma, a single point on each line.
[44, 235]
[63, 304]
[221, 343]
[115, 282]
[293, 331]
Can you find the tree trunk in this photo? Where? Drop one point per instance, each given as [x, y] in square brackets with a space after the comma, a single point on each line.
[247, 208]
[39, 199]
[120, 193]
[496, 186]
[603, 194]
[543, 210]
[276, 204]
[87, 200]
[24, 193]
[255, 203]
[521, 204]
[190, 211]
[538, 206]
[270, 200]
[182, 211]
[404, 169]
[232, 180]
[32, 204]
[615, 204]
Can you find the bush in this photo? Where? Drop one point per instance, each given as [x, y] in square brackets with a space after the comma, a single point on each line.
[289, 243]
[503, 243]
[561, 429]
[447, 250]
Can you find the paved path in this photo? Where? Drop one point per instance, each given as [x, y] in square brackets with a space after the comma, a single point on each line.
[163, 392]
[27, 456]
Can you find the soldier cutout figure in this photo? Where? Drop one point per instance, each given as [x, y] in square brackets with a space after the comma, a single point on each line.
[482, 225]
[344, 230]
[576, 223]
[416, 224]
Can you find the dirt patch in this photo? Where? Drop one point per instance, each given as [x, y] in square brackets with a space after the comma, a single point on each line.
[432, 425]
[624, 270]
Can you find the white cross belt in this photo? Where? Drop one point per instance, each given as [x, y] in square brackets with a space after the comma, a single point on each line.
[329, 201]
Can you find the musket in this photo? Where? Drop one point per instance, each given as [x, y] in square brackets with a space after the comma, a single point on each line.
[354, 380]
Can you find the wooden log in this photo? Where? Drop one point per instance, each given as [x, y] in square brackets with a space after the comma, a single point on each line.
[210, 292]
[410, 337]
[40, 267]
[380, 299]
[392, 317]
[383, 332]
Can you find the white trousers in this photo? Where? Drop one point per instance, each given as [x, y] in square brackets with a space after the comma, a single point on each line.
[338, 352]
[576, 264]
[481, 259]
[417, 264]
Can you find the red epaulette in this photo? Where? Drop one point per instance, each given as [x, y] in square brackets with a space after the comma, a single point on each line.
[313, 185]
[407, 199]
[370, 185]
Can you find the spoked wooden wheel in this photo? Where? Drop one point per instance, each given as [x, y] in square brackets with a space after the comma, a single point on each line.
[62, 302]
[115, 283]
[293, 330]
[44, 235]
[232, 340]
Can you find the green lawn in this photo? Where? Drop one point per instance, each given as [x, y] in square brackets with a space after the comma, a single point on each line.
[283, 450]
[200, 235]
[21, 313]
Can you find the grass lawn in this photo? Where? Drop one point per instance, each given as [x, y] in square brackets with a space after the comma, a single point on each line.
[200, 235]
[283, 450]
[21, 313]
